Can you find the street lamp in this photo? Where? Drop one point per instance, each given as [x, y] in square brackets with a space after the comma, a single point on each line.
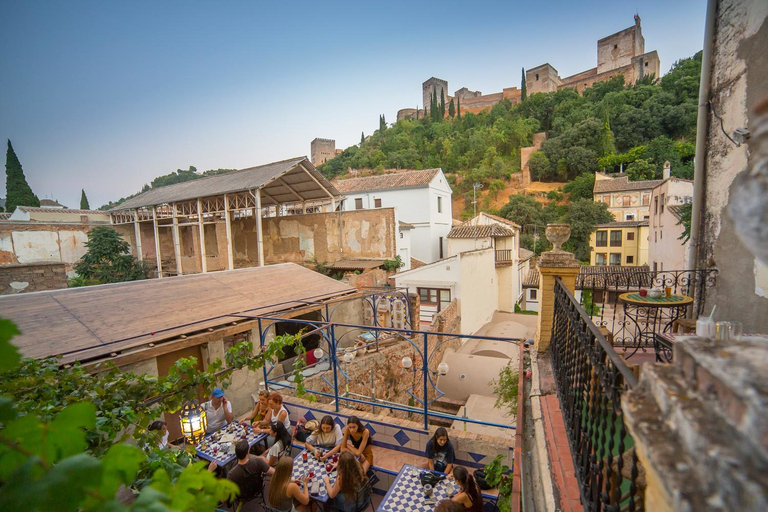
[194, 421]
[475, 187]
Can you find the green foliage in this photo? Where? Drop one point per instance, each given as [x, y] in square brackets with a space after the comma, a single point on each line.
[458, 108]
[69, 439]
[588, 303]
[499, 476]
[84, 200]
[535, 243]
[685, 221]
[452, 109]
[523, 87]
[17, 190]
[524, 210]
[583, 215]
[580, 188]
[641, 170]
[392, 265]
[108, 259]
[522, 311]
[540, 167]
[506, 387]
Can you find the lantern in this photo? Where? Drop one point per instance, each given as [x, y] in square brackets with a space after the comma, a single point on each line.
[318, 353]
[194, 421]
[407, 362]
[442, 368]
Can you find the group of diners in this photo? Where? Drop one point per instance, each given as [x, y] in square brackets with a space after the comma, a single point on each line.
[352, 443]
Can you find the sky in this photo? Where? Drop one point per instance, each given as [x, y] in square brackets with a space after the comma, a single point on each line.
[106, 95]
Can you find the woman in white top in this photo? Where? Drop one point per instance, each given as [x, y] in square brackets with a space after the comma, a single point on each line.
[328, 435]
[277, 413]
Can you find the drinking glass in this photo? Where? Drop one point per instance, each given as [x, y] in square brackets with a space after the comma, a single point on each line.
[727, 331]
[427, 490]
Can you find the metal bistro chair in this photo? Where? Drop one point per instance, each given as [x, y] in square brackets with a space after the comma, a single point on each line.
[362, 500]
[238, 502]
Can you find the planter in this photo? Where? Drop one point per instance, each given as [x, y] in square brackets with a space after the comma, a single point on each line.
[558, 234]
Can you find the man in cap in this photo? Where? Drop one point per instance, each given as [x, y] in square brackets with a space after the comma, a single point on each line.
[219, 411]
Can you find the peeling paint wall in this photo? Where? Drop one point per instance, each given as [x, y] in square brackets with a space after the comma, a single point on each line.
[33, 243]
[739, 81]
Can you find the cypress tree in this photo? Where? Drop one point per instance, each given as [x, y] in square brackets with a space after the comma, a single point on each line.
[362, 138]
[452, 109]
[435, 106]
[442, 104]
[524, 88]
[84, 200]
[458, 108]
[17, 190]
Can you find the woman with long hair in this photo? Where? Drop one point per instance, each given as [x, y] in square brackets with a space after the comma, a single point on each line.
[328, 436]
[277, 414]
[440, 453]
[283, 491]
[260, 409]
[357, 440]
[351, 479]
[282, 442]
[469, 494]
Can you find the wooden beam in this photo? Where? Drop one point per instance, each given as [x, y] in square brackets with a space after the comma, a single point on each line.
[313, 179]
[176, 241]
[157, 244]
[230, 250]
[286, 185]
[203, 260]
[137, 231]
[259, 232]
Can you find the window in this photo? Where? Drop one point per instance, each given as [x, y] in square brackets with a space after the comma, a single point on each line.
[533, 294]
[440, 297]
[440, 247]
[377, 203]
[615, 259]
[615, 238]
[537, 77]
[601, 239]
[661, 208]
[615, 47]
[439, 204]
[606, 199]
[600, 258]
[646, 199]
[630, 217]
[359, 203]
[630, 236]
[646, 217]
[401, 234]
[630, 260]
[656, 205]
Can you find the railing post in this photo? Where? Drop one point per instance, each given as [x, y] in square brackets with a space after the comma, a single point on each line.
[335, 363]
[425, 371]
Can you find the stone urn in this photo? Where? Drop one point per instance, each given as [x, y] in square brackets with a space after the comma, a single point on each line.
[558, 234]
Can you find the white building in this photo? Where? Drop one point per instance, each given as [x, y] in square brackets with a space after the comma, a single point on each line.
[665, 249]
[421, 199]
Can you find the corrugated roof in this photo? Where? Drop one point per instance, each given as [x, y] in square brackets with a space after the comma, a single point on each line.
[531, 279]
[270, 178]
[72, 211]
[402, 179]
[623, 184]
[624, 224]
[489, 230]
[92, 322]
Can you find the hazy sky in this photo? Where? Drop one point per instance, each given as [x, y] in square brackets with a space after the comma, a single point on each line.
[106, 95]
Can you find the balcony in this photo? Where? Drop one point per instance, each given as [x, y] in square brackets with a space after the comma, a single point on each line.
[504, 257]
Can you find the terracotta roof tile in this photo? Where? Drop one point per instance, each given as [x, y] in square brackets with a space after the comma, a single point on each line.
[502, 219]
[35, 209]
[525, 254]
[490, 230]
[402, 179]
[623, 184]
[531, 279]
[624, 224]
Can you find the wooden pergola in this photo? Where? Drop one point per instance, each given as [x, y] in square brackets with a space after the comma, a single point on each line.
[247, 192]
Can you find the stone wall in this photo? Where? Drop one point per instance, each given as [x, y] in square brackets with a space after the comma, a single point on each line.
[322, 150]
[31, 243]
[32, 278]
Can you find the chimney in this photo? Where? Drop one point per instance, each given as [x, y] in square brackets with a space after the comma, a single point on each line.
[667, 171]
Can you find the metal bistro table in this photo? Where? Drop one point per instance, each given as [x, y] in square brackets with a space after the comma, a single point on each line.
[223, 456]
[313, 464]
[648, 314]
[407, 493]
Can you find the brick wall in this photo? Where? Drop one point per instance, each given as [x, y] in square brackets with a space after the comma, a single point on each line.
[32, 278]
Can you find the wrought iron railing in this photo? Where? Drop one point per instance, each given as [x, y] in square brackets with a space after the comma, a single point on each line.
[591, 378]
[600, 290]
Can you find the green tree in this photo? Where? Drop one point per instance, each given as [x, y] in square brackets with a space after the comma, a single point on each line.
[684, 213]
[458, 108]
[581, 187]
[641, 170]
[524, 210]
[583, 215]
[495, 187]
[442, 104]
[84, 201]
[17, 190]
[108, 259]
[452, 109]
[540, 166]
[362, 138]
[523, 87]
[606, 144]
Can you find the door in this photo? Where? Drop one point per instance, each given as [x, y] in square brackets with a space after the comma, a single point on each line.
[164, 363]
[432, 301]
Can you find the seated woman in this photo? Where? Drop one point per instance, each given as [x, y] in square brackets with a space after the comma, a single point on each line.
[260, 409]
[469, 493]
[283, 492]
[356, 440]
[328, 436]
[277, 414]
[282, 442]
[343, 494]
[440, 454]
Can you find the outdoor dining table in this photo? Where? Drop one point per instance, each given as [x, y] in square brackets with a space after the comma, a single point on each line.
[407, 493]
[317, 490]
[647, 313]
[225, 440]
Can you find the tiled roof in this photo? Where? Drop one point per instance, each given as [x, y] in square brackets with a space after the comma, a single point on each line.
[502, 219]
[356, 264]
[525, 254]
[531, 279]
[5, 215]
[403, 179]
[491, 230]
[35, 209]
[623, 184]
[602, 277]
[624, 224]
[51, 203]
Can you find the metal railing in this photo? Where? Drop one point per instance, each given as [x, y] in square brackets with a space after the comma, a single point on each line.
[590, 378]
[600, 289]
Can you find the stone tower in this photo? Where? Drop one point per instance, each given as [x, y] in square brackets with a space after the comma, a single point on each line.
[322, 150]
[433, 84]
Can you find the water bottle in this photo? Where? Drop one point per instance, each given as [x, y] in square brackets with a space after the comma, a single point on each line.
[705, 327]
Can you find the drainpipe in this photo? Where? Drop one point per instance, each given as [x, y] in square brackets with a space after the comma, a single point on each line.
[702, 127]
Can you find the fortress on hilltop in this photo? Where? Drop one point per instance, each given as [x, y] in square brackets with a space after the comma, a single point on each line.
[622, 53]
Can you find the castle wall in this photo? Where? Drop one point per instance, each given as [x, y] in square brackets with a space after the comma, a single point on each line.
[322, 150]
[434, 84]
[617, 50]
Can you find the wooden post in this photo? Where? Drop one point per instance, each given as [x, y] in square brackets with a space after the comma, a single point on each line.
[137, 231]
[157, 244]
[259, 233]
[230, 251]
[203, 260]
[176, 242]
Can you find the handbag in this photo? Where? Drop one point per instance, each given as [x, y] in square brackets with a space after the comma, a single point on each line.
[482, 483]
[430, 478]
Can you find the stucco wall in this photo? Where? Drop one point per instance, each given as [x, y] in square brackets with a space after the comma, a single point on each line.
[479, 293]
[23, 243]
[739, 81]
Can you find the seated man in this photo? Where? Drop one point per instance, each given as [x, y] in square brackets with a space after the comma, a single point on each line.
[219, 411]
[249, 472]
